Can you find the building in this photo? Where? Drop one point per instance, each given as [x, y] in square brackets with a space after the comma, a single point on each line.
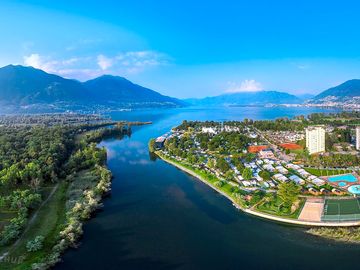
[357, 138]
[159, 142]
[266, 154]
[315, 139]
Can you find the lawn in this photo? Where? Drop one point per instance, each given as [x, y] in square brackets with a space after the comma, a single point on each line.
[5, 216]
[322, 172]
[274, 208]
[47, 222]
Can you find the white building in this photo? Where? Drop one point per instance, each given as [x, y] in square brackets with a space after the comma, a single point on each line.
[209, 130]
[358, 138]
[315, 139]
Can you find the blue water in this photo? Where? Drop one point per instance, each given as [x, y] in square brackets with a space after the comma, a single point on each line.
[346, 177]
[158, 217]
[342, 184]
[355, 189]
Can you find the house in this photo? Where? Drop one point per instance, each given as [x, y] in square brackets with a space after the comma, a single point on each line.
[209, 130]
[318, 182]
[280, 177]
[159, 142]
[297, 179]
[281, 169]
[269, 168]
[268, 154]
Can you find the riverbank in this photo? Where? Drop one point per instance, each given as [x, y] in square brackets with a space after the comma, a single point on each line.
[73, 199]
[257, 213]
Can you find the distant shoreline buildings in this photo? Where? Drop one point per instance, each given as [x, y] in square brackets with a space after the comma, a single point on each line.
[315, 139]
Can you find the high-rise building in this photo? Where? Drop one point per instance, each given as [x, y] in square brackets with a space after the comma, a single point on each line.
[357, 138]
[315, 139]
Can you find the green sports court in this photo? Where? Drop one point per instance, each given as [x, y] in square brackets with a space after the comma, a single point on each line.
[341, 210]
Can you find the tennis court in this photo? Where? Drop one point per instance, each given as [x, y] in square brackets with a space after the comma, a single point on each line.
[341, 210]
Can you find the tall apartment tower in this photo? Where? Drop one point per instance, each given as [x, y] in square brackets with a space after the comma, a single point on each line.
[357, 138]
[315, 139]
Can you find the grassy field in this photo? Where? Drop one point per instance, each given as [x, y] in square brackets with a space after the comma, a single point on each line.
[348, 209]
[46, 223]
[322, 172]
[273, 208]
[49, 220]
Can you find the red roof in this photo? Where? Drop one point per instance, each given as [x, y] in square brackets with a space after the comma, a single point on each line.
[256, 148]
[291, 146]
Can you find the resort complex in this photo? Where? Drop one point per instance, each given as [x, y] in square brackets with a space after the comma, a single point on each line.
[280, 170]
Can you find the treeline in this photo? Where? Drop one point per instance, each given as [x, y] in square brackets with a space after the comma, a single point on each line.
[282, 124]
[30, 156]
[88, 158]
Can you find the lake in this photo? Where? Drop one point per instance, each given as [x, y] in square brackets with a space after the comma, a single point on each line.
[161, 218]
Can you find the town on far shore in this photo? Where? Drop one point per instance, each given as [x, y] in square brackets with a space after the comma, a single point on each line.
[302, 171]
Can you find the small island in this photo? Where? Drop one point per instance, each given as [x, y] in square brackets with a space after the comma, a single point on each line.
[302, 171]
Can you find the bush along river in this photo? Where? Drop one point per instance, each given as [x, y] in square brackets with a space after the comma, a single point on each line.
[159, 217]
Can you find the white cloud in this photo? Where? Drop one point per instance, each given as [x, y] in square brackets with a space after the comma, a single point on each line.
[104, 62]
[136, 61]
[244, 86]
[83, 68]
[37, 61]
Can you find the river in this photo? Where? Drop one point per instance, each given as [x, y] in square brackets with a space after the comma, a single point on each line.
[158, 217]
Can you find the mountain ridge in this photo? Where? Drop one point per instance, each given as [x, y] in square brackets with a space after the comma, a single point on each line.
[27, 86]
[341, 92]
[247, 98]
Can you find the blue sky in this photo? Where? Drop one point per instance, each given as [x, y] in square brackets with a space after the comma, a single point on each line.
[188, 48]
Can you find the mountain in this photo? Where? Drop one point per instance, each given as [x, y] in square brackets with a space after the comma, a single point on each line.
[342, 92]
[247, 98]
[28, 87]
[110, 89]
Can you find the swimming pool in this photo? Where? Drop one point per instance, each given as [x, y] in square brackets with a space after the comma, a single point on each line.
[355, 189]
[343, 178]
[342, 184]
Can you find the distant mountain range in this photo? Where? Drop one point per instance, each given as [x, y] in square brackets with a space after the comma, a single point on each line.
[24, 89]
[27, 87]
[259, 98]
[344, 92]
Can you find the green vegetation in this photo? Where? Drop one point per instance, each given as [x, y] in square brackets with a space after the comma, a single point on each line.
[328, 172]
[288, 192]
[273, 205]
[339, 234]
[51, 180]
[151, 145]
[247, 174]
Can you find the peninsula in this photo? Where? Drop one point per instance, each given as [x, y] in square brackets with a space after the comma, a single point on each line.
[301, 171]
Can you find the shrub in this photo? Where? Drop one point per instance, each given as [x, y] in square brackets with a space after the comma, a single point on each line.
[35, 244]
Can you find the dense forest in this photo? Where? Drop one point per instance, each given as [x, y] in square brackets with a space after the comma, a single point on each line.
[57, 166]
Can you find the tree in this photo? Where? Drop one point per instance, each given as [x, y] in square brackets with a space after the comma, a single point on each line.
[222, 165]
[265, 175]
[36, 244]
[288, 192]
[229, 175]
[247, 174]
[152, 145]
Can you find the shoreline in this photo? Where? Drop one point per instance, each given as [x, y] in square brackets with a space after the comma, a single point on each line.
[257, 214]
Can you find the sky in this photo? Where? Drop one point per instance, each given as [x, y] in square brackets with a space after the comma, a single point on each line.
[186, 48]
